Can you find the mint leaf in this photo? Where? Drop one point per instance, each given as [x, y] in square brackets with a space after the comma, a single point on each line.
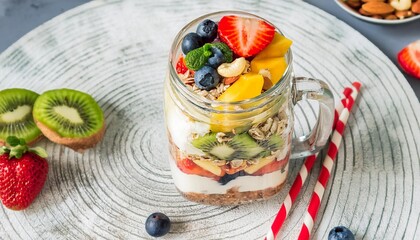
[22, 142]
[198, 57]
[12, 141]
[39, 151]
[227, 52]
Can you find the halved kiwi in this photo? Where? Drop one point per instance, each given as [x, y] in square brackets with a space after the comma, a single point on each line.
[16, 119]
[69, 117]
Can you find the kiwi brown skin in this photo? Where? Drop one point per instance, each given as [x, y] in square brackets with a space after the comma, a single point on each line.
[77, 144]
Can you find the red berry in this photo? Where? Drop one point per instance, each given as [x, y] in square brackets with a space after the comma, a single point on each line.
[409, 59]
[21, 180]
[245, 36]
[181, 68]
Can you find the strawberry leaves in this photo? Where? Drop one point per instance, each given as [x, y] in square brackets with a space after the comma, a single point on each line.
[17, 147]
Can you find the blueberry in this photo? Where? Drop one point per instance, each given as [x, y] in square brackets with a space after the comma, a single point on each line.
[340, 233]
[229, 177]
[206, 78]
[207, 29]
[190, 42]
[157, 224]
[216, 58]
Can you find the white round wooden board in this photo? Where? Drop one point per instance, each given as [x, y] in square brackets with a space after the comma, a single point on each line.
[117, 51]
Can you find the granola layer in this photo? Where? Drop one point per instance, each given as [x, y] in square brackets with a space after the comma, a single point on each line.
[232, 196]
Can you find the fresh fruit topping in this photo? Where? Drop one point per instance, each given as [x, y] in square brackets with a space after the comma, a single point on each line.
[207, 30]
[197, 58]
[69, 117]
[276, 66]
[181, 68]
[206, 78]
[277, 48]
[190, 42]
[229, 177]
[340, 233]
[216, 58]
[187, 166]
[158, 224]
[249, 85]
[23, 172]
[227, 52]
[409, 59]
[232, 69]
[16, 115]
[209, 166]
[245, 36]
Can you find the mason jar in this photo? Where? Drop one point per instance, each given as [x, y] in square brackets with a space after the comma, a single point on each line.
[228, 153]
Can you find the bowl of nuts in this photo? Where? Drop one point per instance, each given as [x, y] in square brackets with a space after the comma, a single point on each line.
[383, 11]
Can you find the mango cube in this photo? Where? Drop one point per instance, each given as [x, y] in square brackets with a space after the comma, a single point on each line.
[275, 65]
[277, 48]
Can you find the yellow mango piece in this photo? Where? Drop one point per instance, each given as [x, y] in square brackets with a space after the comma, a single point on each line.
[209, 166]
[276, 66]
[277, 48]
[261, 163]
[247, 86]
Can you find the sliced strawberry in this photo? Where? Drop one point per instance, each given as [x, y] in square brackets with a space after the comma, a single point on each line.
[409, 59]
[187, 166]
[181, 68]
[245, 36]
[272, 167]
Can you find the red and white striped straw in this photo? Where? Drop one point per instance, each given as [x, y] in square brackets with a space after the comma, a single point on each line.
[301, 177]
[327, 165]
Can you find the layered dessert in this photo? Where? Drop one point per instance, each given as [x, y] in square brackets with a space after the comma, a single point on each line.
[234, 150]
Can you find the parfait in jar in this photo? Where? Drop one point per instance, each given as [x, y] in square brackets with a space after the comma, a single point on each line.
[228, 109]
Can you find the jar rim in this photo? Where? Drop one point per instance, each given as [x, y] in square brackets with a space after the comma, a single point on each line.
[203, 102]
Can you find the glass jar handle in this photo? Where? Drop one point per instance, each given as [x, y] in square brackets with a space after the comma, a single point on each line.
[313, 89]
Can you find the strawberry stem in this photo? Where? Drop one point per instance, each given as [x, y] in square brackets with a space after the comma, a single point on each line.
[17, 147]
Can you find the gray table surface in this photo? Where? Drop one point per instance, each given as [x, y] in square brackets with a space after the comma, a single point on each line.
[18, 17]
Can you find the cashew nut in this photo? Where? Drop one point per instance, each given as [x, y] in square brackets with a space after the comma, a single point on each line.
[400, 4]
[232, 69]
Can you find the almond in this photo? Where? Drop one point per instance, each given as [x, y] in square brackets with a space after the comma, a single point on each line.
[403, 14]
[373, 1]
[391, 17]
[354, 3]
[377, 8]
[415, 7]
[377, 16]
[363, 12]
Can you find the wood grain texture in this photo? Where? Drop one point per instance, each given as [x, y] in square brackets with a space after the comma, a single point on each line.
[118, 50]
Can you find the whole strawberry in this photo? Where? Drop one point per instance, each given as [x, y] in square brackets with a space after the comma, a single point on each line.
[23, 172]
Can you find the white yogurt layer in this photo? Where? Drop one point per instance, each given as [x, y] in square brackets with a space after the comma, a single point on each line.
[197, 184]
[181, 127]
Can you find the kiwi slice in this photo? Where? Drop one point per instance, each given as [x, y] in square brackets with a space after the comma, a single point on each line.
[248, 147]
[16, 119]
[209, 144]
[69, 117]
[273, 143]
[242, 146]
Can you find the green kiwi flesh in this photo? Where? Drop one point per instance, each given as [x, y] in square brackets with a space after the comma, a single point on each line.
[16, 118]
[69, 113]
